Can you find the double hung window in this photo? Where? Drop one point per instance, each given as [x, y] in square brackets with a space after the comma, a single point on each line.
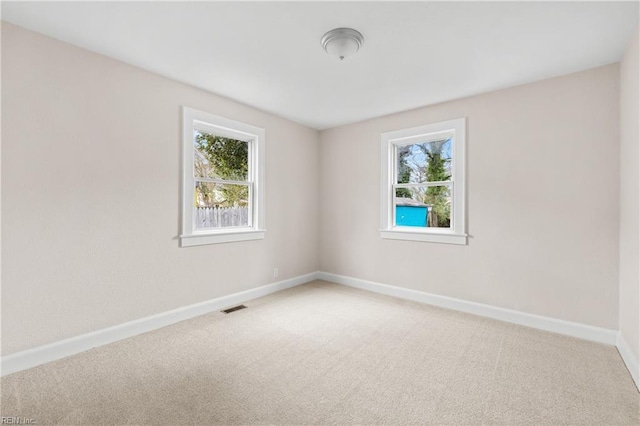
[423, 183]
[223, 194]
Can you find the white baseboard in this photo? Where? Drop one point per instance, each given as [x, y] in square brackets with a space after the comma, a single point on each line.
[574, 329]
[43, 354]
[629, 359]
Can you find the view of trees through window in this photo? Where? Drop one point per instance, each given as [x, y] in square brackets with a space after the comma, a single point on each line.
[221, 179]
[421, 165]
[218, 161]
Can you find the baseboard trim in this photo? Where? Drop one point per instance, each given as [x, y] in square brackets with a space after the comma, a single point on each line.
[43, 354]
[629, 359]
[582, 331]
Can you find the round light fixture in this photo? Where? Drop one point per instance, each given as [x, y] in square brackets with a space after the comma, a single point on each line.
[342, 42]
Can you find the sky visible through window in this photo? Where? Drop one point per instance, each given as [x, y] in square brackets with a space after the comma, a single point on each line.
[414, 161]
[422, 163]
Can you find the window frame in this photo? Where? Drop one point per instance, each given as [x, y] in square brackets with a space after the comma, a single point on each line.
[193, 120]
[456, 234]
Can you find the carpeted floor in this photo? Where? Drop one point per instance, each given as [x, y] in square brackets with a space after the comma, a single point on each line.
[327, 354]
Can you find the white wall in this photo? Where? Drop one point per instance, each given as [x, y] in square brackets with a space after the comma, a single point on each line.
[90, 195]
[543, 194]
[629, 198]
[92, 147]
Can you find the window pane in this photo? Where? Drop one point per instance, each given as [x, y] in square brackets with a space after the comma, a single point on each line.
[427, 207]
[220, 158]
[221, 205]
[424, 162]
[410, 209]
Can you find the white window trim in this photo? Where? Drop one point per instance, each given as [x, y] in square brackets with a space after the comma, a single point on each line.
[192, 118]
[457, 233]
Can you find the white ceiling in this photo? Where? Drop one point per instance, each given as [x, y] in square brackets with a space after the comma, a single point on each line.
[268, 55]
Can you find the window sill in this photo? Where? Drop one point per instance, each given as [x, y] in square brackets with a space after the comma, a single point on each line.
[221, 237]
[424, 236]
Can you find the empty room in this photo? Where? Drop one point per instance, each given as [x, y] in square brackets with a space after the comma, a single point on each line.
[320, 213]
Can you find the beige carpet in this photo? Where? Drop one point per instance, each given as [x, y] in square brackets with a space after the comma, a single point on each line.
[327, 354]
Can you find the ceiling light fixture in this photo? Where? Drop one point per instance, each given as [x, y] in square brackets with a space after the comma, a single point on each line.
[342, 42]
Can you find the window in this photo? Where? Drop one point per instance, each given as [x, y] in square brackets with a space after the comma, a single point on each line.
[423, 183]
[223, 184]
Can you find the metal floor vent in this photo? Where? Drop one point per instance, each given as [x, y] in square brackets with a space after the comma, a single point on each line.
[235, 308]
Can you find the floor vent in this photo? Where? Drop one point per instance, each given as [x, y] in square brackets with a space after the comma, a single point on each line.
[235, 308]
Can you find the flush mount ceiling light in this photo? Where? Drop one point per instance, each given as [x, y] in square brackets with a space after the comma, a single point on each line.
[342, 42]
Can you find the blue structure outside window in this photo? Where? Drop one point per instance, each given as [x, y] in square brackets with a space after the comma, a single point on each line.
[411, 212]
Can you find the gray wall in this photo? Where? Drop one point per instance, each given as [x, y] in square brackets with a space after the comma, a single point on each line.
[629, 196]
[91, 195]
[543, 187]
[91, 146]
